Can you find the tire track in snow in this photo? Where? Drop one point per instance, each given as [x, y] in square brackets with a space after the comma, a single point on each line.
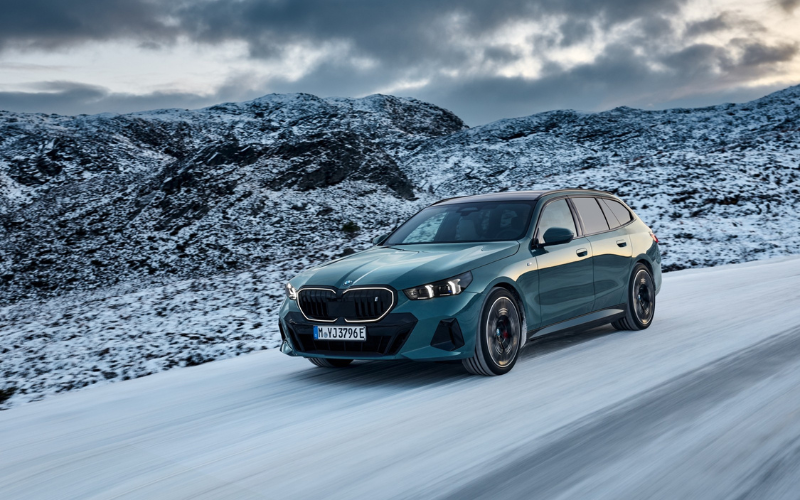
[580, 450]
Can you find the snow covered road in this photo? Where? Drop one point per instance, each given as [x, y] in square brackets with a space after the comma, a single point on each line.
[704, 404]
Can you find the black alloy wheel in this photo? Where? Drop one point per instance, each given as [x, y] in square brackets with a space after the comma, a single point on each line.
[499, 337]
[641, 306]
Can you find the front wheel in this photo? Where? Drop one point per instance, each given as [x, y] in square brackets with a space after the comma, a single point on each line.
[499, 336]
[330, 363]
[641, 303]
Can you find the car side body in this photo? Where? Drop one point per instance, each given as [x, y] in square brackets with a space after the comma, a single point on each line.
[582, 280]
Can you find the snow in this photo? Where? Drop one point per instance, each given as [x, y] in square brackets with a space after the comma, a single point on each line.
[702, 404]
[120, 333]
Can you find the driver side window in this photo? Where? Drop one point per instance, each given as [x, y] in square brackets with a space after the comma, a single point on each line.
[556, 214]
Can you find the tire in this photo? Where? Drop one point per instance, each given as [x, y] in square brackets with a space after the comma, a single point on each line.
[499, 336]
[330, 363]
[641, 304]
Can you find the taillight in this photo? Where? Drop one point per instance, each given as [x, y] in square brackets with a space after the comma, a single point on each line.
[652, 235]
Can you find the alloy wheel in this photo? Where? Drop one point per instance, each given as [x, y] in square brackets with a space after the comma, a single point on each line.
[503, 332]
[643, 297]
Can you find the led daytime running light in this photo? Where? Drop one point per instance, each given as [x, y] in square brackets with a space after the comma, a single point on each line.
[444, 288]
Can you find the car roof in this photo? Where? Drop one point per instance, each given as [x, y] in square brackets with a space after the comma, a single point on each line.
[517, 196]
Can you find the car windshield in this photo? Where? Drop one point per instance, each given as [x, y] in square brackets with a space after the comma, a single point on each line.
[465, 222]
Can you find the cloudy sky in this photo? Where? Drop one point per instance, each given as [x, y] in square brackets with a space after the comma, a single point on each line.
[482, 59]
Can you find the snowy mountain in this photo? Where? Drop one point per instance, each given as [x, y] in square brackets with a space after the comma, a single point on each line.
[133, 243]
[718, 184]
[89, 201]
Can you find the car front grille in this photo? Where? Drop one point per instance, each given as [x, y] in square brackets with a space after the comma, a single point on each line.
[384, 338]
[357, 305]
[370, 303]
[314, 303]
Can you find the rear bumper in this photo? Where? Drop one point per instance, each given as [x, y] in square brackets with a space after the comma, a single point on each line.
[407, 332]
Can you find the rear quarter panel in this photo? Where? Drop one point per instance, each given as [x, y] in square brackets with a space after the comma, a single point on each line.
[646, 249]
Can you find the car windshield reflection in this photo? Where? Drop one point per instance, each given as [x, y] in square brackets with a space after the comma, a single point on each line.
[465, 223]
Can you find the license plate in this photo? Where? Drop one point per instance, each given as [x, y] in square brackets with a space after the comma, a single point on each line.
[351, 333]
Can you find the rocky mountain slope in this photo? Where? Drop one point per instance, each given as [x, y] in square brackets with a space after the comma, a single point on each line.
[133, 243]
[97, 200]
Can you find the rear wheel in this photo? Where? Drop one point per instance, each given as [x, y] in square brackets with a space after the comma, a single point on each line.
[330, 363]
[641, 305]
[499, 336]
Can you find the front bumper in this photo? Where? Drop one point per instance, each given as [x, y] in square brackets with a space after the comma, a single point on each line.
[407, 332]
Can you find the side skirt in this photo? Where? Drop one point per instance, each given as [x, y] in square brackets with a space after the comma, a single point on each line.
[589, 320]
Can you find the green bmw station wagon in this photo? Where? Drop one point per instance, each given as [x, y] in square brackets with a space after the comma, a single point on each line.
[474, 278]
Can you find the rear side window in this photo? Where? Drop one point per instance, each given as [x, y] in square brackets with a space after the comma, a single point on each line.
[593, 219]
[610, 217]
[556, 214]
[623, 214]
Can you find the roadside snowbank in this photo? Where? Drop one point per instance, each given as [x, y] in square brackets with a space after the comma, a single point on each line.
[114, 334]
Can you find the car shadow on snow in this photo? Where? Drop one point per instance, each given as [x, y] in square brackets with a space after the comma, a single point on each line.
[409, 374]
[562, 340]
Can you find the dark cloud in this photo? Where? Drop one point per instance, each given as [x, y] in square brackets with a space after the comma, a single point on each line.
[619, 71]
[757, 53]
[72, 98]
[505, 54]
[710, 25]
[721, 22]
[699, 58]
[54, 23]
[575, 31]
[388, 28]
[396, 30]
[788, 5]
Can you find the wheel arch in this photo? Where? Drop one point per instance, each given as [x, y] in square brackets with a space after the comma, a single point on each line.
[655, 272]
[647, 264]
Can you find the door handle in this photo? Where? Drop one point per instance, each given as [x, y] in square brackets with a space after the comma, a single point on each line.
[582, 252]
[622, 243]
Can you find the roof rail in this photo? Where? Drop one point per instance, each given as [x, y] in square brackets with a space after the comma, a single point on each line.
[543, 192]
[580, 189]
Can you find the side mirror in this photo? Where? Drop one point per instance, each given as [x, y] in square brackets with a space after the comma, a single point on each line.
[380, 239]
[557, 236]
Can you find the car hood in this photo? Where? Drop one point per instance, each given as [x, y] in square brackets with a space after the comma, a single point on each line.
[406, 265]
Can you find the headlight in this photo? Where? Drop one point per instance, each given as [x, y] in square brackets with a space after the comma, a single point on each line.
[452, 286]
[291, 292]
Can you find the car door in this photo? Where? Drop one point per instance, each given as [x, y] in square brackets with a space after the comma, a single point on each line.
[566, 286]
[611, 250]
